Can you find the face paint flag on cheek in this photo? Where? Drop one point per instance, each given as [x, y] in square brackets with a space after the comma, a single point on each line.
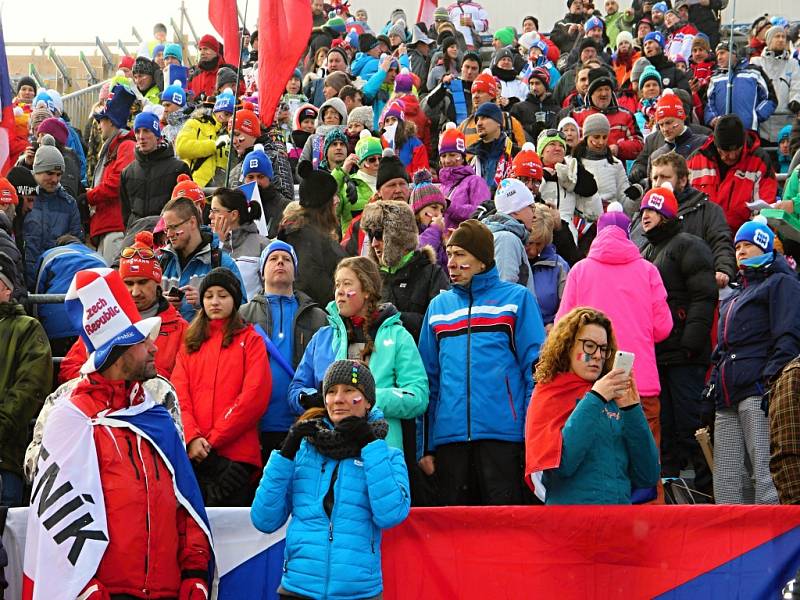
[464, 267]
[350, 293]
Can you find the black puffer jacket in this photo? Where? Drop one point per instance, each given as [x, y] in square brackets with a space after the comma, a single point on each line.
[282, 178]
[526, 112]
[671, 76]
[147, 183]
[560, 34]
[687, 270]
[705, 219]
[412, 287]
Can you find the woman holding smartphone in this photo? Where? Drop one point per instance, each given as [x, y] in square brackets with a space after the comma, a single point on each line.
[586, 437]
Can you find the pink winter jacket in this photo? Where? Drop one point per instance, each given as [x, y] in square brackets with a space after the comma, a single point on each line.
[616, 280]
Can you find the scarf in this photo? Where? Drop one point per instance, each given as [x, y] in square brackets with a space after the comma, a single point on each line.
[757, 262]
[551, 405]
[336, 446]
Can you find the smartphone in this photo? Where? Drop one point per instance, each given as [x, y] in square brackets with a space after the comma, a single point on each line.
[623, 360]
[176, 293]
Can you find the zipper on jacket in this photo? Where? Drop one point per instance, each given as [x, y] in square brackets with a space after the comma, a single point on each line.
[145, 590]
[725, 394]
[334, 480]
[130, 456]
[510, 399]
[469, 366]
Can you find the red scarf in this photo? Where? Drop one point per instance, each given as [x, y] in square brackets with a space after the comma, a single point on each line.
[551, 405]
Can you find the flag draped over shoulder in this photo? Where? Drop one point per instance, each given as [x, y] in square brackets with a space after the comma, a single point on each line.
[223, 16]
[67, 531]
[284, 30]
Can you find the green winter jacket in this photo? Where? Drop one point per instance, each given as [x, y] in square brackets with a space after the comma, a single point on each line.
[345, 210]
[792, 189]
[26, 375]
[615, 23]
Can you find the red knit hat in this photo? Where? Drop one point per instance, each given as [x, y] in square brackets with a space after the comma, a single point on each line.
[452, 140]
[140, 260]
[485, 82]
[669, 105]
[209, 41]
[661, 200]
[126, 62]
[189, 189]
[527, 163]
[247, 120]
[8, 193]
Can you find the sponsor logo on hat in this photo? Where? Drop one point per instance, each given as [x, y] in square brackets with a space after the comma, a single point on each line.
[761, 238]
[656, 201]
[177, 98]
[253, 163]
[460, 145]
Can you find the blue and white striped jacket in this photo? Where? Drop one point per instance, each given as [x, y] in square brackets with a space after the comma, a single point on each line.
[752, 100]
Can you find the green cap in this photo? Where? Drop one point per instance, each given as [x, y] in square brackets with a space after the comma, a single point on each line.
[367, 146]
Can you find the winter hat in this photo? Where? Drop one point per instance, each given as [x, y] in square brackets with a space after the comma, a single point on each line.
[680, 58]
[541, 45]
[452, 140]
[225, 76]
[156, 49]
[147, 120]
[599, 77]
[544, 140]
[542, 75]
[403, 83]
[527, 40]
[257, 161]
[624, 36]
[144, 66]
[441, 14]
[8, 271]
[47, 158]
[784, 133]
[101, 309]
[474, 237]
[654, 36]
[485, 82]
[512, 196]
[527, 163]
[568, 121]
[361, 114]
[224, 278]
[729, 132]
[8, 193]
[334, 135]
[399, 226]
[588, 42]
[398, 29]
[772, 31]
[614, 215]
[649, 74]
[501, 54]
[367, 146]
[186, 188]
[390, 168]
[274, 247]
[247, 121]
[701, 41]
[490, 110]
[306, 111]
[662, 200]
[394, 109]
[342, 53]
[55, 127]
[593, 23]
[174, 93]
[209, 41]
[660, 7]
[505, 36]
[638, 68]
[39, 114]
[26, 80]
[126, 62]
[596, 123]
[317, 187]
[23, 181]
[56, 103]
[353, 373]
[140, 260]
[173, 50]
[669, 105]
[225, 102]
[366, 42]
[118, 108]
[424, 193]
[758, 233]
[336, 24]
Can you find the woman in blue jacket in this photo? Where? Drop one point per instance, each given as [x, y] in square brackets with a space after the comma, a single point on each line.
[479, 342]
[342, 484]
[758, 334]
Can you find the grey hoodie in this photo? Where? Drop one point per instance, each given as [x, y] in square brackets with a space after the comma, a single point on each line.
[510, 238]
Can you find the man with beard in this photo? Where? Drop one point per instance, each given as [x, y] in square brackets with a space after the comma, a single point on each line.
[203, 78]
[272, 202]
[493, 152]
[567, 30]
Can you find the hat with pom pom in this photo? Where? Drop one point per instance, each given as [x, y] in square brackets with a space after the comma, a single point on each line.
[452, 140]
[614, 215]
[390, 168]
[140, 260]
[257, 161]
[174, 93]
[669, 106]
[317, 187]
[424, 193]
[188, 189]
[394, 109]
[541, 74]
[367, 146]
[225, 102]
[662, 200]
[758, 233]
[404, 82]
[486, 83]
[527, 163]
[247, 121]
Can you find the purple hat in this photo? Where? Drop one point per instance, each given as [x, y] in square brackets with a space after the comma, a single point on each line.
[614, 216]
[403, 83]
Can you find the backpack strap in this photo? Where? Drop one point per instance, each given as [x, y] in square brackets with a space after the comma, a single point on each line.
[216, 258]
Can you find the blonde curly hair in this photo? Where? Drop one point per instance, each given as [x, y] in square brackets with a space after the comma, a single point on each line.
[555, 355]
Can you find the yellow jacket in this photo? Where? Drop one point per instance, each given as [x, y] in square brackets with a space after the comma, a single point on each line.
[196, 145]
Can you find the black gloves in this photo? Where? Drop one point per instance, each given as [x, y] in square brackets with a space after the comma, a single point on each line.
[219, 477]
[296, 434]
[351, 191]
[633, 192]
[311, 401]
[794, 106]
[356, 429]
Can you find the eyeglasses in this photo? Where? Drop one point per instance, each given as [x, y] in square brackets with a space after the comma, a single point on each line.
[590, 347]
[372, 159]
[145, 253]
[375, 234]
[174, 228]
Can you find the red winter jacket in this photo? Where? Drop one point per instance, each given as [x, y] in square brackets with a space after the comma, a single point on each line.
[624, 131]
[224, 392]
[169, 341]
[414, 113]
[104, 197]
[204, 81]
[751, 178]
[152, 539]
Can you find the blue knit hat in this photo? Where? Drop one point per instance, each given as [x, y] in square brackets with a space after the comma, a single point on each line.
[594, 22]
[174, 93]
[257, 161]
[173, 50]
[491, 110]
[784, 133]
[225, 102]
[660, 7]
[655, 36]
[156, 49]
[758, 233]
[147, 120]
[273, 246]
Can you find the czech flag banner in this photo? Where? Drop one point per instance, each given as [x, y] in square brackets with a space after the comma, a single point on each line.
[7, 110]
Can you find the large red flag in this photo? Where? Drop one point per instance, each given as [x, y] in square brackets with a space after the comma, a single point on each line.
[7, 125]
[223, 16]
[425, 13]
[284, 30]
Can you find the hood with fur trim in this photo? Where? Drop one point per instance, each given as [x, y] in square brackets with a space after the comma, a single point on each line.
[399, 227]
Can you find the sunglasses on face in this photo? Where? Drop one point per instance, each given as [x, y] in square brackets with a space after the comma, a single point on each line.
[145, 253]
[372, 159]
[375, 234]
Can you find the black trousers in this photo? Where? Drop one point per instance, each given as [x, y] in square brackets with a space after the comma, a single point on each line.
[481, 473]
[270, 440]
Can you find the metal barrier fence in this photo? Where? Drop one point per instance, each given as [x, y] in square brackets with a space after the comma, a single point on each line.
[78, 105]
